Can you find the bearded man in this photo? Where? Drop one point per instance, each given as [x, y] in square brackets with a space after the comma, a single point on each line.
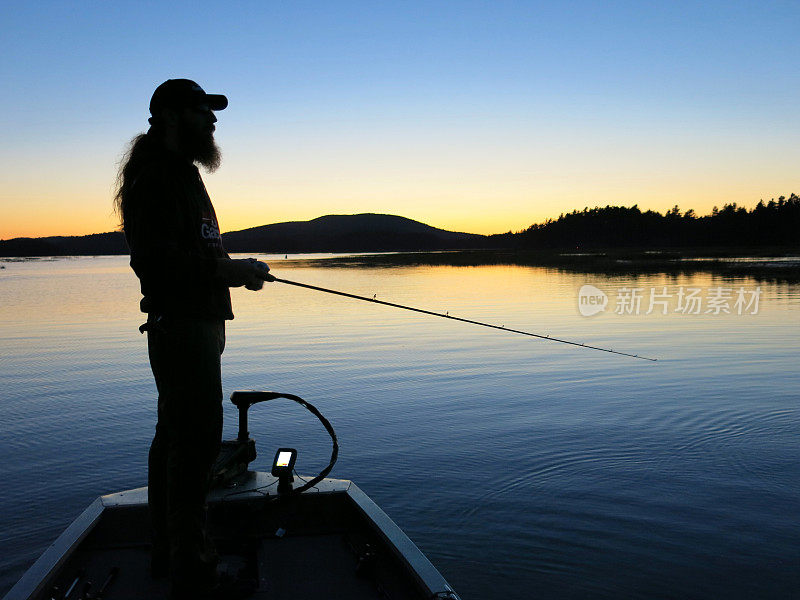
[177, 253]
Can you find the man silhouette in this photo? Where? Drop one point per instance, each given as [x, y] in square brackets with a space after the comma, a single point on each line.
[177, 253]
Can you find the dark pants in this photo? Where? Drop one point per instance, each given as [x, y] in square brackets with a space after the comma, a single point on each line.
[185, 358]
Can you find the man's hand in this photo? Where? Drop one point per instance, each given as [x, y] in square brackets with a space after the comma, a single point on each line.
[247, 272]
[262, 275]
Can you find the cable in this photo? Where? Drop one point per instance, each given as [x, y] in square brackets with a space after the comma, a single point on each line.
[335, 443]
[301, 478]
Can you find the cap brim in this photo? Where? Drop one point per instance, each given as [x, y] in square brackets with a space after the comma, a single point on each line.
[216, 101]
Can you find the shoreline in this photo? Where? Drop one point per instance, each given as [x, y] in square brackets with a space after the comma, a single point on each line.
[783, 264]
[761, 263]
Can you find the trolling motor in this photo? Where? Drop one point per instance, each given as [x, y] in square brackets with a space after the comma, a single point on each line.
[235, 455]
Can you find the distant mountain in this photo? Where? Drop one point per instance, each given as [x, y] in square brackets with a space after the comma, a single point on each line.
[83, 245]
[366, 232]
[773, 224]
[331, 233]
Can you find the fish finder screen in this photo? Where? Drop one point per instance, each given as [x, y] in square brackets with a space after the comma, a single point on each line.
[283, 459]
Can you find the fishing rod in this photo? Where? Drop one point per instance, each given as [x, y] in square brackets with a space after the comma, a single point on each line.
[449, 316]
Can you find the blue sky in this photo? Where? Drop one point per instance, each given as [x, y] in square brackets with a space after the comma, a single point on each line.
[477, 116]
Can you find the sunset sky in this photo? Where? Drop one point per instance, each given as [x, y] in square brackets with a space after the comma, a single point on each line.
[472, 116]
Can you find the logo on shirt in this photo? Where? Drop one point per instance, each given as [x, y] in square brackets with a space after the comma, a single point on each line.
[209, 231]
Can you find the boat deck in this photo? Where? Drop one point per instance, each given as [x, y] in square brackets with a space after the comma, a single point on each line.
[330, 542]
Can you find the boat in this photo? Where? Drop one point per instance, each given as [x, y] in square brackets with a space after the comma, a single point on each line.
[322, 539]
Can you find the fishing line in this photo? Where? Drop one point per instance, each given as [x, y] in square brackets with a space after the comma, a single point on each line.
[449, 316]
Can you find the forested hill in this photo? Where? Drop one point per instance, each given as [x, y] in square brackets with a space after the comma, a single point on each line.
[331, 233]
[366, 232]
[95, 244]
[775, 223]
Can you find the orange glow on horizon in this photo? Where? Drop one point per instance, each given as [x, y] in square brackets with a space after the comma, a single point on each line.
[36, 212]
[99, 218]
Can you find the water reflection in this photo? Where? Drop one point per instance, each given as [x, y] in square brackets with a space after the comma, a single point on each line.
[570, 472]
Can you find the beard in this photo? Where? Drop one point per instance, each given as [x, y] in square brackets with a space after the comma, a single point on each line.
[201, 148]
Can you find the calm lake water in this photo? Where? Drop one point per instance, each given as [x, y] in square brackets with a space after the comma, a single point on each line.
[521, 467]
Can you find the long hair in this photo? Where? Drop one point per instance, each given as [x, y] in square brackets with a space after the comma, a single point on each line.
[141, 151]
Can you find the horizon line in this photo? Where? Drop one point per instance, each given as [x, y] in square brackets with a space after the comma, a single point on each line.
[585, 208]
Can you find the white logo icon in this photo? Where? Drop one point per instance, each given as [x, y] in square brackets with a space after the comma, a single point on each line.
[209, 231]
[591, 300]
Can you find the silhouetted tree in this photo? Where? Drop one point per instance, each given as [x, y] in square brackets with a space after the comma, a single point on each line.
[773, 223]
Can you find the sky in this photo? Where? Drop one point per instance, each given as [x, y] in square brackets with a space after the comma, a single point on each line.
[482, 117]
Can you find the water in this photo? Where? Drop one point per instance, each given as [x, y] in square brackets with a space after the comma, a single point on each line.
[522, 468]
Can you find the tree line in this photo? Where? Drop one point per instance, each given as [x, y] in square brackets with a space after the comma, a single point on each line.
[773, 223]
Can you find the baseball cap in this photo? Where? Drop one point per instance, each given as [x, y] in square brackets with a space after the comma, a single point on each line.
[183, 93]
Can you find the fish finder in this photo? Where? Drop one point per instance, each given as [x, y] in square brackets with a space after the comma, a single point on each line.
[282, 467]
